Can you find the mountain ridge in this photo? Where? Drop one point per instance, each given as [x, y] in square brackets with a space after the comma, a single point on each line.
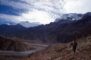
[61, 31]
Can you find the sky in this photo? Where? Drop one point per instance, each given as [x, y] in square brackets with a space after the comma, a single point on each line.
[41, 11]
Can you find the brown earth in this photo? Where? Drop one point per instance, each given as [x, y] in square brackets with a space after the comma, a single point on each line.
[64, 51]
[7, 44]
[60, 52]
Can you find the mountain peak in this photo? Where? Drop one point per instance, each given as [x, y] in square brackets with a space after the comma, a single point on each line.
[71, 16]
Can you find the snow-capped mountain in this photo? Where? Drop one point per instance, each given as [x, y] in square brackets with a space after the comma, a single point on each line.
[28, 24]
[22, 23]
[7, 22]
[71, 16]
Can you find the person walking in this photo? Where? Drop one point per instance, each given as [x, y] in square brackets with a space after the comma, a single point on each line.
[74, 46]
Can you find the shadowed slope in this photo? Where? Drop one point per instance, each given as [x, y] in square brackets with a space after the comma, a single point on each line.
[12, 45]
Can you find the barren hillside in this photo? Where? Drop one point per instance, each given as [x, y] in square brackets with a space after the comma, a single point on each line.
[7, 44]
[59, 52]
[64, 51]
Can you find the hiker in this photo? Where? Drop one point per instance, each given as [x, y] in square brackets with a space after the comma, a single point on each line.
[74, 46]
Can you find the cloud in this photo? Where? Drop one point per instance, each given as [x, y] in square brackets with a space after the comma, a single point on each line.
[7, 17]
[13, 4]
[9, 10]
[77, 6]
[46, 5]
[33, 16]
[43, 11]
[38, 16]
[56, 7]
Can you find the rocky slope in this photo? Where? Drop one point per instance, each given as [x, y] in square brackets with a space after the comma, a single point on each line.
[64, 51]
[12, 45]
[60, 51]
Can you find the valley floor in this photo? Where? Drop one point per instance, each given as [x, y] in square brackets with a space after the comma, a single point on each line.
[59, 52]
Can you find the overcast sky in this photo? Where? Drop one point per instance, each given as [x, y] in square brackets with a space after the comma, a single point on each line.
[42, 11]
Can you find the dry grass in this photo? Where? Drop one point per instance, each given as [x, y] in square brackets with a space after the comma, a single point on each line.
[13, 44]
[64, 52]
[60, 52]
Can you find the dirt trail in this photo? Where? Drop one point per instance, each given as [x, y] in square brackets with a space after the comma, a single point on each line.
[37, 47]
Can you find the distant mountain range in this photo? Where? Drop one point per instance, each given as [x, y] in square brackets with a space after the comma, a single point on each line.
[71, 16]
[28, 24]
[7, 22]
[63, 30]
[23, 23]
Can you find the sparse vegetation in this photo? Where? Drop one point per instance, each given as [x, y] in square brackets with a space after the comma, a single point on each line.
[61, 34]
[64, 52]
[60, 52]
[13, 45]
